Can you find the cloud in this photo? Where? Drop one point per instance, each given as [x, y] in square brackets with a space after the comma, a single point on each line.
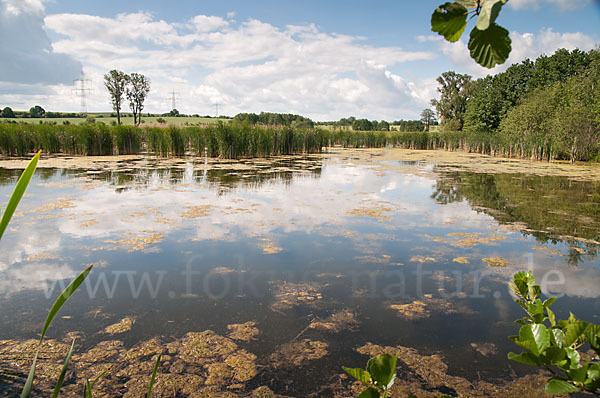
[537, 4]
[250, 66]
[524, 45]
[27, 55]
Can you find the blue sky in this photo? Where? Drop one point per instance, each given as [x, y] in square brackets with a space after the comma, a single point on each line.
[375, 59]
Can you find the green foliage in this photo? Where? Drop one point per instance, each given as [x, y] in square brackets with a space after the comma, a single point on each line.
[7, 112]
[153, 377]
[36, 111]
[274, 119]
[63, 372]
[378, 377]
[17, 194]
[455, 91]
[553, 345]
[136, 91]
[489, 43]
[115, 82]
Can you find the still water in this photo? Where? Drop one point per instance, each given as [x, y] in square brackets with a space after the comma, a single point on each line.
[293, 263]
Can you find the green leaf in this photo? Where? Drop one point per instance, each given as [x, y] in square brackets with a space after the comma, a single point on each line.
[62, 299]
[467, 3]
[61, 378]
[18, 192]
[359, 374]
[370, 393]
[488, 13]
[449, 20]
[554, 355]
[383, 370]
[534, 338]
[153, 375]
[490, 47]
[558, 337]
[557, 386]
[29, 383]
[526, 358]
[574, 358]
[593, 336]
[574, 331]
[549, 302]
[551, 317]
[578, 374]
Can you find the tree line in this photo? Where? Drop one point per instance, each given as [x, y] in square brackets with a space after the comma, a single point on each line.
[551, 105]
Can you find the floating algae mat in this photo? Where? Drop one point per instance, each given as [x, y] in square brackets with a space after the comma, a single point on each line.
[261, 278]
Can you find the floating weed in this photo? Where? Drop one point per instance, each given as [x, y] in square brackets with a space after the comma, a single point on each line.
[496, 261]
[422, 309]
[41, 256]
[485, 349]
[290, 295]
[243, 331]
[372, 212]
[137, 243]
[336, 322]
[548, 250]
[297, 353]
[422, 259]
[269, 247]
[197, 211]
[62, 203]
[461, 260]
[124, 325]
[88, 223]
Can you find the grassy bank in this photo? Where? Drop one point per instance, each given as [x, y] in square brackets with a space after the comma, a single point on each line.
[234, 140]
[126, 120]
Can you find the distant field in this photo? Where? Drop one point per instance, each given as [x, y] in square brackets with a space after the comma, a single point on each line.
[124, 120]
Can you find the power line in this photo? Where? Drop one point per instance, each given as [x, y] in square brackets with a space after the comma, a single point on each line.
[80, 90]
[173, 99]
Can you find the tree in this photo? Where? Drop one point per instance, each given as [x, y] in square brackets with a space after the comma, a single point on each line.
[136, 92]
[383, 126]
[7, 112]
[489, 43]
[37, 111]
[455, 90]
[174, 112]
[428, 117]
[362, 125]
[116, 82]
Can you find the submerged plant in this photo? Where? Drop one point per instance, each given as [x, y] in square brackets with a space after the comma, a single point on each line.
[554, 345]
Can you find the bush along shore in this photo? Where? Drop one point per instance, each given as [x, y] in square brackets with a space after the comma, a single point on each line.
[242, 140]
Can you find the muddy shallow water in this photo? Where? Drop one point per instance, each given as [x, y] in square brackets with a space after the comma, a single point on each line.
[269, 275]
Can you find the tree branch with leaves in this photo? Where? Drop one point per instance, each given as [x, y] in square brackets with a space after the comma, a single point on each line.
[489, 43]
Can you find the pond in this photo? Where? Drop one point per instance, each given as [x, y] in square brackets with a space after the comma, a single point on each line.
[262, 275]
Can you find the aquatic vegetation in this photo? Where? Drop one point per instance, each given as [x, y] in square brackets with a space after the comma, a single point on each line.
[377, 212]
[485, 349]
[243, 331]
[138, 243]
[269, 247]
[423, 308]
[336, 322]
[422, 259]
[496, 262]
[297, 353]
[197, 211]
[461, 260]
[124, 325]
[288, 295]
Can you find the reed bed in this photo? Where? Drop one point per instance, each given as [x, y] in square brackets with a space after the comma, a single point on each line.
[243, 140]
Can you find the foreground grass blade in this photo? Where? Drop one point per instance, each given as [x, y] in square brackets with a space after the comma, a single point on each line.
[60, 301]
[63, 372]
[18, 192]
[29, 383]
[153, 375]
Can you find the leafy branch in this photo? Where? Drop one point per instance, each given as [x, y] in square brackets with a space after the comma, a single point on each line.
[489, 43]
[552, 344]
